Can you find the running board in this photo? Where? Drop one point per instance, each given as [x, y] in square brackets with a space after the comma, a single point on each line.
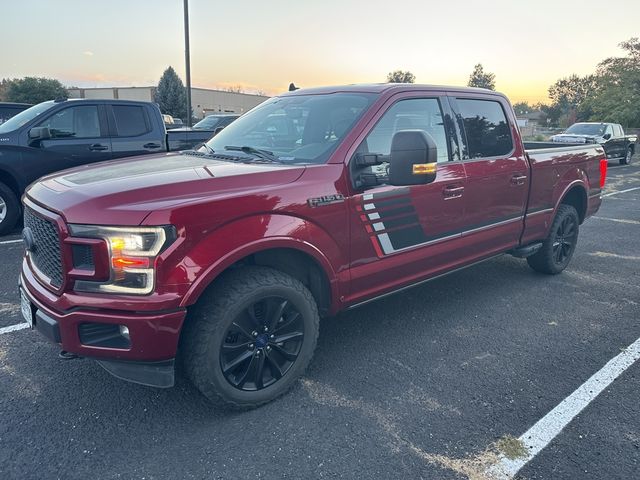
[527, 251]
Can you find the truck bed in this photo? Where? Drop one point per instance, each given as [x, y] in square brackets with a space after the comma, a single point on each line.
[553, 169]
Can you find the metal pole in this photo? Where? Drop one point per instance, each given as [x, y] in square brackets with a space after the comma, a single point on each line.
[187, 62]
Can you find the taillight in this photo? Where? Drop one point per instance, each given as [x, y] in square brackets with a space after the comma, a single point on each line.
[603, 171]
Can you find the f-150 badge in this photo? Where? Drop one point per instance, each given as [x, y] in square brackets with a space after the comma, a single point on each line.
[326, 200]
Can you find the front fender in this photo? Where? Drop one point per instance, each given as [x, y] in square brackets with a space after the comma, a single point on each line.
[224, 246]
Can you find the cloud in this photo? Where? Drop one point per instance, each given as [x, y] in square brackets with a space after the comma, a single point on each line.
[87, 53]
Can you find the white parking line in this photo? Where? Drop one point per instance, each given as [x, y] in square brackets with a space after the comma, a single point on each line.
[621, 191]
[619, 220]
[7, 242]
[13, 328]
[548, 427]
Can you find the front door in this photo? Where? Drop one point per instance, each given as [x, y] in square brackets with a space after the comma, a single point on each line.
[78, 136]
[497, 175]
[402, 233]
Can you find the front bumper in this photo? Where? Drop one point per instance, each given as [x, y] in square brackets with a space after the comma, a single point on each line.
[148, 358]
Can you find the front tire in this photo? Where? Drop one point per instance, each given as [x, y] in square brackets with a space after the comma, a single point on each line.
[558, 247]
[250, 337]
[627, 158]
[9, 209]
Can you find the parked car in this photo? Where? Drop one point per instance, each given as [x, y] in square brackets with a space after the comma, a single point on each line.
[55, 135]
[215, 121]
[9, 109]
[171, 123]
[185, 138]
[616, 144]
[225, 258]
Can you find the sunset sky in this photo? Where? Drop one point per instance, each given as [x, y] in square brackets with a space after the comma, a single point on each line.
[264, 45]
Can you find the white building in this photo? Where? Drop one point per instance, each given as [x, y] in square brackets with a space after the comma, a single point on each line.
[204, 101]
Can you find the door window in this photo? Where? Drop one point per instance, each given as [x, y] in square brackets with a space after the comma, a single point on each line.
[609, 131]
[617, 131]
[131, 120]
[486, 127]
[413, 114]
[74, 122]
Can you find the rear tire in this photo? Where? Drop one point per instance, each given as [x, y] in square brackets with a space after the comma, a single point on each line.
[250, 337]
[627, 158]
[9, 209]
[558, 247]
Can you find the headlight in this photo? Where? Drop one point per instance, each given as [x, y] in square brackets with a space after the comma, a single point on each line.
[132, 252]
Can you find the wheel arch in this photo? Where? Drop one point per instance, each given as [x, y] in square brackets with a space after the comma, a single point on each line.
[292, 255]
[575, 195]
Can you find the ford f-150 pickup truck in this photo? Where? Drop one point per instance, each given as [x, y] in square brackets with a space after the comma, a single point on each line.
[223, 260]
[56, 135]
[617, 145]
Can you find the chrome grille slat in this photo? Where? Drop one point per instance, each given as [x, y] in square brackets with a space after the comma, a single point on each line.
[45, 254]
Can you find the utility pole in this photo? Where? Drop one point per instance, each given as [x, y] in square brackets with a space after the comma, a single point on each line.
[187, 61]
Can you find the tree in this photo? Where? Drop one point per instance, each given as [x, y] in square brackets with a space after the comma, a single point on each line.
[235, 89]
[34, 90]
[400, 76]
[4, 86]
[522, 108]
[616, 95]
[569, 95]
[480, 79]
[171, 95]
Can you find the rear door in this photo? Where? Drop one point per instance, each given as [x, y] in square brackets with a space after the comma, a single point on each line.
[497, 173]
[132, 131]
[78, 136]
[618, 141]
[402, 233]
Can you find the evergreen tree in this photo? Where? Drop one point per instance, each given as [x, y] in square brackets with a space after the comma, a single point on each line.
[171, 95]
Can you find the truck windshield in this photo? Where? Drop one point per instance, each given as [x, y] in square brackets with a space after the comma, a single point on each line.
[586, 129]
[23, 117]
[207, 123]
[303, 129]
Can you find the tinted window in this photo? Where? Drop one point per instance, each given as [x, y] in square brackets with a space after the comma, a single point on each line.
[617, 131]
[415, 114]
[486, 127]
[74, 122]
[130, 120]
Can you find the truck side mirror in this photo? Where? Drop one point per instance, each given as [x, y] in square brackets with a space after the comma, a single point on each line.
[217, 130]
[606, 136]
[39, 133]
[413, 158]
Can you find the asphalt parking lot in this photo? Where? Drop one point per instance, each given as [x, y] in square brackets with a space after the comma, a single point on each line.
[433, 383]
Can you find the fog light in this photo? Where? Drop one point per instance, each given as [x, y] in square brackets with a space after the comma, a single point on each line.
[124, 331]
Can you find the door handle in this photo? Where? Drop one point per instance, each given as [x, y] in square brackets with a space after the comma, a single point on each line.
[96, 147]
[518, 179]
[452, 192]
[151, 145]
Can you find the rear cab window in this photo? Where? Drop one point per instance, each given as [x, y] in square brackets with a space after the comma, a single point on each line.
[486, 129]
[130, 120]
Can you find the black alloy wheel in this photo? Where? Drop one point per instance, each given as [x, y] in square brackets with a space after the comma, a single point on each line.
[249, 337]
[559, 246]
[565, 239]
[262, 344]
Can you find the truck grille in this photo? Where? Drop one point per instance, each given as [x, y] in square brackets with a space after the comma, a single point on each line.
[45, 253]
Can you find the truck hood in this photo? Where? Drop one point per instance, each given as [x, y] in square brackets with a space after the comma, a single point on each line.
[574, 138]
[124, 192]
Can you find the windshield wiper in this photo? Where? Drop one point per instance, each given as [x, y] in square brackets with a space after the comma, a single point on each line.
[264, 154]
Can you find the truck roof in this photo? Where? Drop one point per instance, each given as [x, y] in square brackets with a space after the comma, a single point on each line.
[100, 100]
[380, 88]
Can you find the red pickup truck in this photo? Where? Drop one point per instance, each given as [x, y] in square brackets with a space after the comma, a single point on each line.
[223, 260]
